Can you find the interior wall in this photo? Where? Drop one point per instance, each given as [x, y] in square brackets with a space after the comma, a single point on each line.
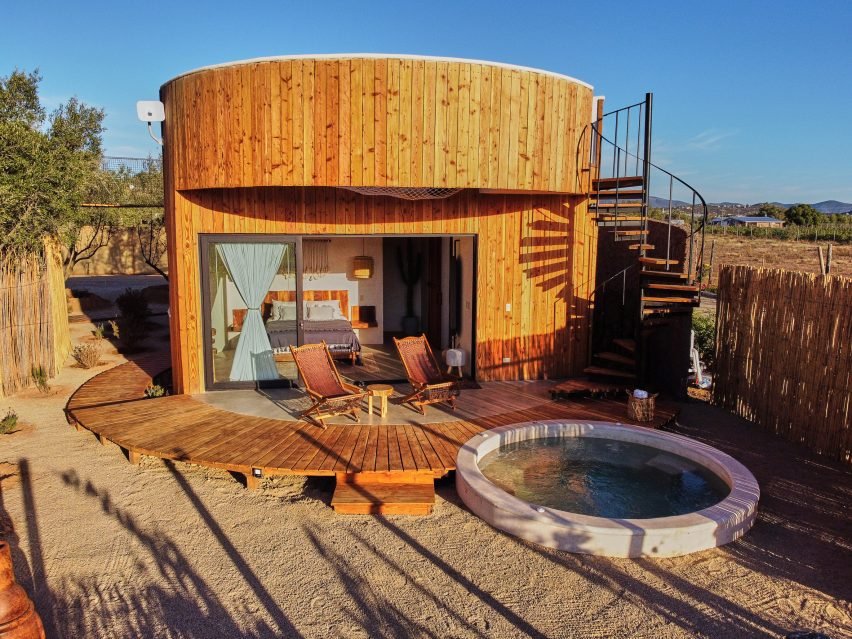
[394, 287]
[341, 255]
[342, 252]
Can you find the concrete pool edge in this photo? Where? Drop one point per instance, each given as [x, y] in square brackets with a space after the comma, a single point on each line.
[661, 537]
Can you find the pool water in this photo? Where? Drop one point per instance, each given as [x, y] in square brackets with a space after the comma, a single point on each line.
[603, 477]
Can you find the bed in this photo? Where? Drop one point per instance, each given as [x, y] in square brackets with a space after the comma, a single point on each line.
[326, 318]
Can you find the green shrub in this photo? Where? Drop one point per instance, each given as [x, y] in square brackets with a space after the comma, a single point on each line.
[704, 326]
[114, 329]
[9, 422]
[40, 379]
[154, 390]
[99, 331]
[132, 305]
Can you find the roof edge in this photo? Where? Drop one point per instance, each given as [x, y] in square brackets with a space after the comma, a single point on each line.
[355, 56]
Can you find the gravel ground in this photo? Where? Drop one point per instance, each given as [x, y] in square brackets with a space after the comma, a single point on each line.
[171, 550]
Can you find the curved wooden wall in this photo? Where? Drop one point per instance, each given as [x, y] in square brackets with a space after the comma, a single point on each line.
[377, 122]
[535, 252]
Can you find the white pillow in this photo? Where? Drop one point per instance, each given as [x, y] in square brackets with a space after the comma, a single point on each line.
[283, 310]
[321, 312]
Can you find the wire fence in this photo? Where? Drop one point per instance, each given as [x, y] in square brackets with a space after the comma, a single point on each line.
[117, 164]
[829, 232]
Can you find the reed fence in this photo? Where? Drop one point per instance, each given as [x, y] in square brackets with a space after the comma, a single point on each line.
[33, 318]
[784, 354]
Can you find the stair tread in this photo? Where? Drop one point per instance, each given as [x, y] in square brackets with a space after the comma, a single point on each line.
[657, 260]
[672, 287]
[669, 300]
[611, 217]
[615, 357]
[606, 184]
[630, 232]
[620, 193]
[584, 385]
[617, 205]
[666, 274]
[647, 247]
[608, 372]
[667, 310]
[383, 498]
[625, 343]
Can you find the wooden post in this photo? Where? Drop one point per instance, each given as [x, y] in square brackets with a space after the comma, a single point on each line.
[828, 261]
[712, 251]
[252, 482]
[821, 261]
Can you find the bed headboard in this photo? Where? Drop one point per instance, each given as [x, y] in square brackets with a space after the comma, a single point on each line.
[290, 296]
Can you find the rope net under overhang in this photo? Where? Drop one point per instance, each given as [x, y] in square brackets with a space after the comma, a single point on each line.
[404, 193]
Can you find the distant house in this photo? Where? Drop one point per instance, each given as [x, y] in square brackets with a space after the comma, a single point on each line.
[748, 220]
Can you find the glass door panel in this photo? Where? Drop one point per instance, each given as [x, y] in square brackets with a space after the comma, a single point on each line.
[254, 316]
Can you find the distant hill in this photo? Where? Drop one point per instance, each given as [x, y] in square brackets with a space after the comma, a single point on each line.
[828, 207]
[833, 206]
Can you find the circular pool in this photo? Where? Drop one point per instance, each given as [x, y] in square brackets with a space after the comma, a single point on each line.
[606, 489]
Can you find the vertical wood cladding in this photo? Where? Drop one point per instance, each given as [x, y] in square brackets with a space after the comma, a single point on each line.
[535, 252]
[377, 122]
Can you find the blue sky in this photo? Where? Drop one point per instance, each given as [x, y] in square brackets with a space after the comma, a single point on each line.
[753, 100]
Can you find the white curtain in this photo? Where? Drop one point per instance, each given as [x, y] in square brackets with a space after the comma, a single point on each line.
[253, 267]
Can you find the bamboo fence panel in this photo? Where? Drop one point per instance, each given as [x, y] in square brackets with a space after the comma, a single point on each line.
[58, 306]
[784, 354]
[34, 328]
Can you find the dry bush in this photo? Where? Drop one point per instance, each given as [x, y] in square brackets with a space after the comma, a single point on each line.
[87, 355]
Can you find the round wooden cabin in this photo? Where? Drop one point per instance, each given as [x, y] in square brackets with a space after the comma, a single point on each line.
[404, 194]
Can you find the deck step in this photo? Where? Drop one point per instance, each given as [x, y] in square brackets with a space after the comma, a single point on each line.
[633, 232]
[657, 261]
[672, 287]
[617, 358]
[627, 344]
[607, 184]
[639, 247]
[622, 194]
[665, 274]
[383, 498]
[608, 372]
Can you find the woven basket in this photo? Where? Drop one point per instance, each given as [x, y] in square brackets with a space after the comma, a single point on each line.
[641, 410]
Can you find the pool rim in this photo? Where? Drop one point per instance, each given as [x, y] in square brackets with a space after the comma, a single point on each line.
[672, 535]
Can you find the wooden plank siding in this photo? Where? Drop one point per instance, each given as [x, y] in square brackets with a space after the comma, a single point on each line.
[377, 122]
[536, 252]
[259, 147]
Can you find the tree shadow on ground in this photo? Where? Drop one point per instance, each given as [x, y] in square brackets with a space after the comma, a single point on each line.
[181, 604]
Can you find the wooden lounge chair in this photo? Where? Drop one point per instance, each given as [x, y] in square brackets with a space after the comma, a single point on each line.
[430, 384]
[330, 394]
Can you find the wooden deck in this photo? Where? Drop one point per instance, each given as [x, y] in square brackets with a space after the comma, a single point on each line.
[183, 428]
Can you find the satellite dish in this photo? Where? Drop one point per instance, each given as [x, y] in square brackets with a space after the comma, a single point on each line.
[151, 111]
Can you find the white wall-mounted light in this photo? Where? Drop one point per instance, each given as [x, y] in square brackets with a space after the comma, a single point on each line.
[151, 111]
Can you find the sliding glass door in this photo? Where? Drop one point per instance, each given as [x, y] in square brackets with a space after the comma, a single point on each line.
[252, 309]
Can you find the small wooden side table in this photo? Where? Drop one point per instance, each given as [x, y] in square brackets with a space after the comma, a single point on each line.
[382, 391]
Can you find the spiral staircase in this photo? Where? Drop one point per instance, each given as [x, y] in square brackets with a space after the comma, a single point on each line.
[661, 246]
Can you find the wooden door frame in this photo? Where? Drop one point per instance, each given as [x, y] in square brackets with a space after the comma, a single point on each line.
[205, 242]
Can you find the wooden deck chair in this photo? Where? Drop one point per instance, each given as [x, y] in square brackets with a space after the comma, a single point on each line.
[430, 384]
[330, 394]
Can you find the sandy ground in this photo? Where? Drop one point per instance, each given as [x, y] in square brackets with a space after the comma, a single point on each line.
[169, 550]
[793, 256]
